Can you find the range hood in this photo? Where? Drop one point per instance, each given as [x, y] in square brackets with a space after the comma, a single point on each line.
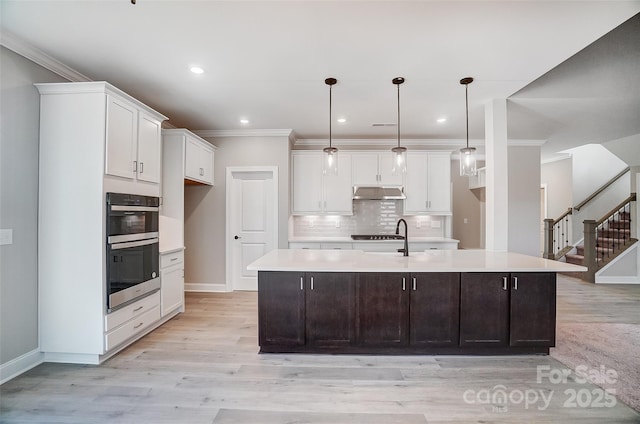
[378, 193]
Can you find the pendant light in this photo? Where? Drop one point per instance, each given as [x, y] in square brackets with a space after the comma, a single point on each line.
[330, 162]
[467, 154]
[399, 166]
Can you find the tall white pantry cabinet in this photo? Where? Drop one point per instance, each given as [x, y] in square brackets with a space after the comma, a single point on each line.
[94, 139]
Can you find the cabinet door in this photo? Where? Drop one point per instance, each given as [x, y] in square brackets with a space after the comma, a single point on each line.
[149, 153]
[281, 308]
[330, 309]
[385, 166]
[416, 184]
[120, 158]
[434, 309]
[206, 161]
[172, 292]
[307, 183]
[484, 309]
[533, 309]
[382, 309]
[365, 169]
[338, 192]
[439, 183]
[192, 168]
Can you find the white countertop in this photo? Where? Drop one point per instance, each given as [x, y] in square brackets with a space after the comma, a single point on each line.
[350, 240]
[316, 260]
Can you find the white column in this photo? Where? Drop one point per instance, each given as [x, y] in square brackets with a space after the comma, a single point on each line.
[497, 211]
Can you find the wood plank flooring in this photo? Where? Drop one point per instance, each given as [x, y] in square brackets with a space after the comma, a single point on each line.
[203, 367]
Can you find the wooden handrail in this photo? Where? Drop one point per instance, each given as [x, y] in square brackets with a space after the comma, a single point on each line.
[631, 198]
[568, 212]
[601, 189]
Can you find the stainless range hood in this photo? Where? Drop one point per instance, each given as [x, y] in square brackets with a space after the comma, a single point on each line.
[378, 193]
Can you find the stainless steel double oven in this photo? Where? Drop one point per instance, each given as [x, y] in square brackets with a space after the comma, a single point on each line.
[133, 268]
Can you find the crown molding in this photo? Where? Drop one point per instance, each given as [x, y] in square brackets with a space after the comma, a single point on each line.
[245, 133]
[36, 55]
[356, 142]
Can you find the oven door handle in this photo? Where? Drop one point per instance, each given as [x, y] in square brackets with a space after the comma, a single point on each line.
[121, 208]
[118, 246]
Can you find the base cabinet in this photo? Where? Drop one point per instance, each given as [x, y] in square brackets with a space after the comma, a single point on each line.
[172, 282]
[448, 313]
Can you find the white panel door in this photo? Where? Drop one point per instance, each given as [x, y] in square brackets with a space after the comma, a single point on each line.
[252, 223]
[416, 184]
[338, 191]
[192, 168]
[121, 138]
[149, 153]
[364, 168]
[385, 168]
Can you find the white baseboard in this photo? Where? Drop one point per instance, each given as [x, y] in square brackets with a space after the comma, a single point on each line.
[213, 288]
[20, 365]
[617, 280]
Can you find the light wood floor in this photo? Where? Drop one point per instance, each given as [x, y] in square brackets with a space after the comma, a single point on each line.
[203, 367]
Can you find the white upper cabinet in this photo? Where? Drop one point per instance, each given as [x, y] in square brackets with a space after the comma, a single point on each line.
[199, 156]
[132, 141]
[428, 183]
[149, 148]
[374, 169]
[315, 193]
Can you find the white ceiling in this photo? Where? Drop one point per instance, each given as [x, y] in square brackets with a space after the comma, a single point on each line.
[267, 61]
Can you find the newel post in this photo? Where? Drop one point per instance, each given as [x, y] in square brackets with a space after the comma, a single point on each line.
[590, 253]
[548, 252]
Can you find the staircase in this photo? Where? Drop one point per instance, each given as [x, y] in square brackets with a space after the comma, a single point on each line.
[610, 240]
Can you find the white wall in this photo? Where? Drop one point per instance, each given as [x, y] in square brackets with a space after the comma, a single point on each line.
[205, 216]
[627, 149]
[524, 199]
[594, 166]
[20, 103]
[558, 177]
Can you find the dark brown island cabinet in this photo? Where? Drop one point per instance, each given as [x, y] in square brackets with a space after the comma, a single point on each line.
[406, 313]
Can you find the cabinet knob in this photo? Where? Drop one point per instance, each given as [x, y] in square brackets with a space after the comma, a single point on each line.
[237, 237]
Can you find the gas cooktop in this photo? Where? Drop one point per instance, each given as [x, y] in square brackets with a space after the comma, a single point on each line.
[376, 237]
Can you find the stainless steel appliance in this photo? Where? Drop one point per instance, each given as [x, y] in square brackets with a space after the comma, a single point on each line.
[133, 257]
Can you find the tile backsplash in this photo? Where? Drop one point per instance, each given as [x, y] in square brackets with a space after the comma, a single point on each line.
[369, 217]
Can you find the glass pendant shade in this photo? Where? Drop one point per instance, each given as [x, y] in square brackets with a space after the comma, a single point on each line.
[399, 166]
[467, 154]
[330, 161]
[330, 154]
[468, 161]
[399, 160]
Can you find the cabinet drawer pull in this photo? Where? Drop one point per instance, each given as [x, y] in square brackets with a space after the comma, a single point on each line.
[404, 283]
[301, 283]
[174, 259]
[142, 167]
[414, 284]
[311, 283]
[504, 283]
[135, 166]
[515, 283]
[138, 308]
[138, 326]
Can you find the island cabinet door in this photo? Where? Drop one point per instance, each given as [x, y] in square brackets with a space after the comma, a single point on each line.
[533, 309]
[434, 311]
[484, 309]
[382, 309]
[281, 308]
[330, 309]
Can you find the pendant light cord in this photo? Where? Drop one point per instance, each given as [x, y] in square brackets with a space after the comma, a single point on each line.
[330, 91]
[466, 102]
[398, 115]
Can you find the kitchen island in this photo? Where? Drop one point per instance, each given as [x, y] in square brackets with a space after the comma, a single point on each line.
[432, 302]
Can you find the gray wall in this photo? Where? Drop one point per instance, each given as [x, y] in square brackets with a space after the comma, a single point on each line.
[524, 230]
[20, 116]
[205, 217]
[558, 177]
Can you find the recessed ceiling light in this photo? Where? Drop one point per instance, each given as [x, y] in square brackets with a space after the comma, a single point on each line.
[342, 120]
[441, 120]
[197, 70]
[244, 121]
